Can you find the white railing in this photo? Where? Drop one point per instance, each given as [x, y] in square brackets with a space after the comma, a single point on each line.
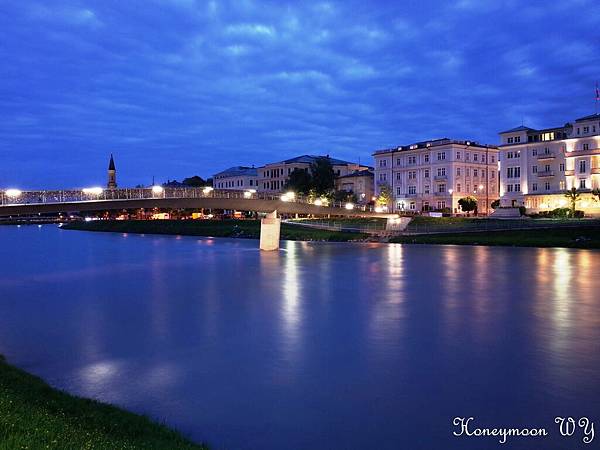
[12, 197]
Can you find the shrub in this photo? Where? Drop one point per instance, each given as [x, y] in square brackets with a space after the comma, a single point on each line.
[522, 210]
[495, 204]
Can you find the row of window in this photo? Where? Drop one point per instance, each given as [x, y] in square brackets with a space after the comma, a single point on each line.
[441, 188]
[441, 156]
[441, 172]
[515, 172]
[412, 206]
[547, 186]
[235, 183]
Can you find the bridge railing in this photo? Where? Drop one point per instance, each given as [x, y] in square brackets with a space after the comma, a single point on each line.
[14, 197]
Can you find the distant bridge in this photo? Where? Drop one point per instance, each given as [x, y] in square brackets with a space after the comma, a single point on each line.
[17, 203]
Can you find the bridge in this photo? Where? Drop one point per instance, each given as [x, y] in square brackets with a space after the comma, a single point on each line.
[27, 203]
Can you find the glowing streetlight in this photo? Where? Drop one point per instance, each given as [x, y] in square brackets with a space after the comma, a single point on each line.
[207, 190]
[157, 190]
[290, 195]
[93, 191]
[378, 209]
[318, 202]
[481, 187]
[349, 206]
[285, 198]
[13, 193]
[450, 191]
[247, 194]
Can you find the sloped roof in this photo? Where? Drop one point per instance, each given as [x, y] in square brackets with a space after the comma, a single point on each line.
[359, 173]
[590, 117]
[111, 163]
[309, 159]
[519, 128]
[237, 171]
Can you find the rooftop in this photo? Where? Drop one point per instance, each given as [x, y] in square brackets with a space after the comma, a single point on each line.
[433, 143]
[237, 171]
[309, 159]
[590, 117]
[360, 173]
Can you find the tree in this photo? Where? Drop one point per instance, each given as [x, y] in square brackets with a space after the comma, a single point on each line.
[323, 178]
[194, 181]
[573, 196]
[345, 196]
[495, 204]
[468, 204]
[385, 195]
[596, 193]
[299, 181]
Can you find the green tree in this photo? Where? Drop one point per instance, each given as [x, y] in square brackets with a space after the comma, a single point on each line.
[573, 196]
[495, 204]
[299, 181]
[323, 178]
[345, 196]
[385, 195]
[468, 204]
[194, 181]
[596, 193]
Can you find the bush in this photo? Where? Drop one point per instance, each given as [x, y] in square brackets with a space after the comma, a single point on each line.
[522, 210]
[495, 204]
[579, 214]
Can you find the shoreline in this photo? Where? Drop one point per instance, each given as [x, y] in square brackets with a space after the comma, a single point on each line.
[37, 415]
[582, 237]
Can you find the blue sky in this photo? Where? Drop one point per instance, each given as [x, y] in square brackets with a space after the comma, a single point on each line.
[181, 87]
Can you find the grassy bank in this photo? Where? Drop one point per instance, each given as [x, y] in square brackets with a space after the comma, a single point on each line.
[35, 416]
[214, 228]
[576, 237]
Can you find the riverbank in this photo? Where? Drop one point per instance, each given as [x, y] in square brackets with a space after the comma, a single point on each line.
[575, 237]
[34, 415]
[213, 228]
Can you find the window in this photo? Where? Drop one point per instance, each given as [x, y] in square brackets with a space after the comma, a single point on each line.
[458, 186]
[457, 155]
[517, 187]
[517, 172]
[398, 191]
[546, 151]
[398, 162]
[441, 172]
[547, 185]
[441, 156]
[468, 171]
[382, 177]
[582, 166]
[517, 139]
[426, 189]
[534, 152]
[441, 204]
[426, 157]
[412, 175]
[509, 155]
[534, 169]
[475, 156]
[586, 146]
[510, 140]
[412, 190]
[578, 131]
[493, 159]
[412, 206]
[398, 176]
[509, 188]
[561, 167]
[582, 184]
[510, 172]
[382, 163]
[412, 159]
[547, 168]
[426, 173]
[586, 129]
[534, 187]
[467, 156]
[518, 154]
[442, 187]
[475, 172]
[493, 175]
[401, 205]
[561, 185]
[458, 171]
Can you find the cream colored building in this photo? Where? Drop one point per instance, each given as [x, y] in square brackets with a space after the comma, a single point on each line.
[236, 178]
[274, 176]
[434, 175]
[538, 166]
[359, 182]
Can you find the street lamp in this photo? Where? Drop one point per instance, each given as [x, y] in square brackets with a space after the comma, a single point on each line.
[13, 193]
[157, 190]
[93, 191]
[318, 202]
[349, 206]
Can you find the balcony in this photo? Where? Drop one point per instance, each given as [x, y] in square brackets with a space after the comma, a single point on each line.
[543, 156]
[595, 170]
[569, 173]
[440, 177]
[547, 173]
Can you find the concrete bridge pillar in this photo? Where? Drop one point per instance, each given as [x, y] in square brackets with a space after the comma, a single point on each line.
[270, 231]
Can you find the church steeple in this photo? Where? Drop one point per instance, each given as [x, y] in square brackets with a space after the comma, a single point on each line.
[112, 174]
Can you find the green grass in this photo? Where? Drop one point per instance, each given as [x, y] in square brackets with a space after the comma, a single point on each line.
[215, 228]
[425, 224]
[576, 237]
[33, 415]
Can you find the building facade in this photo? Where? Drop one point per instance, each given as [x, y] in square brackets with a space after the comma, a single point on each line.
[538, 166]
[434, 175]
[236, 178]
[359, 182]
[274, 176]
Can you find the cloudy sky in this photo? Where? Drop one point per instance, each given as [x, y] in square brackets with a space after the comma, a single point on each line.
[181, 87]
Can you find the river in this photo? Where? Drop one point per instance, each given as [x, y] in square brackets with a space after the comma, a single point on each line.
[317, 346]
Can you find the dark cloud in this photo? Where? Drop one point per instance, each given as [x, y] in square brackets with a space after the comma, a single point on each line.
[177, 87]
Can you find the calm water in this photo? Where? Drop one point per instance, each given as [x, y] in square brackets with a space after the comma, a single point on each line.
[319, 346]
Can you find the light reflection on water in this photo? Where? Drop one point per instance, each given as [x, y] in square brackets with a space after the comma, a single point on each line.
[315, 346]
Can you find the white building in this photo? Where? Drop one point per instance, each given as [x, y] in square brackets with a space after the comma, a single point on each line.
[274, 176]
[434, 175]
[236, 178]
[538, 166]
